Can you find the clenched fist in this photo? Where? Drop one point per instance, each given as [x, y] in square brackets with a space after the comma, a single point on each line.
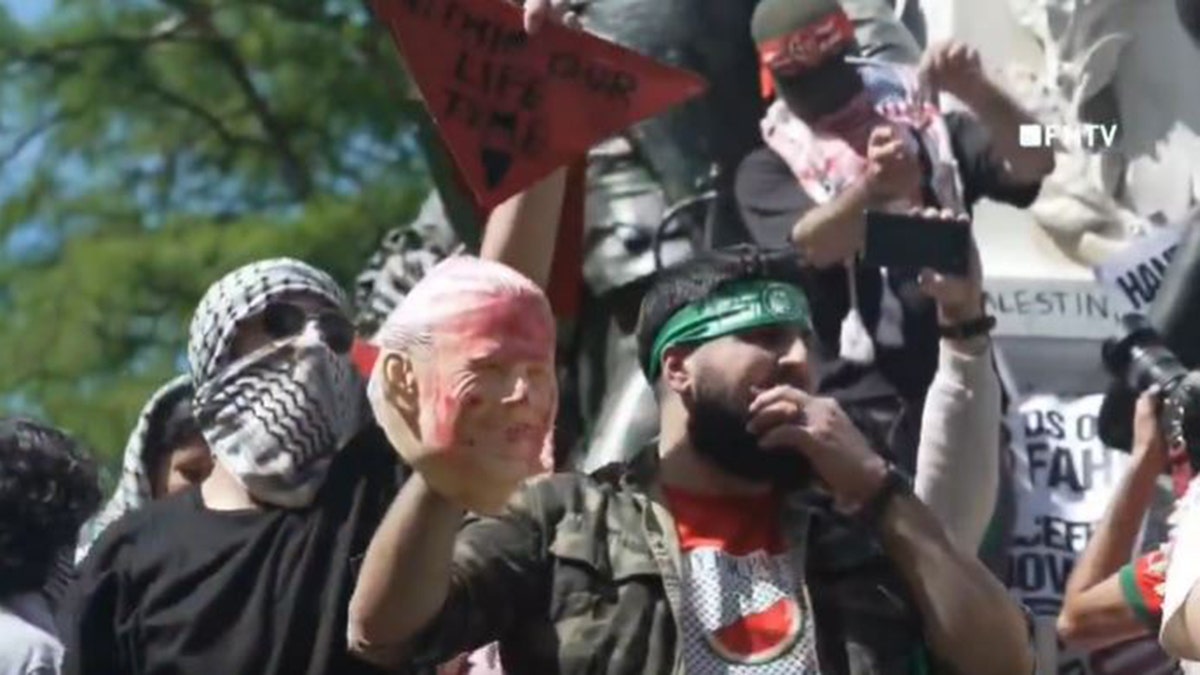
[791, 420]
[893, 171]
[537, 12]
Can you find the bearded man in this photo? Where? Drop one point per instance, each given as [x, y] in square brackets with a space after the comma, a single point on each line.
[762, 534]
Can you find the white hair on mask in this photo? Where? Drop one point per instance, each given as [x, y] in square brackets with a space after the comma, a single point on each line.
[457, 286]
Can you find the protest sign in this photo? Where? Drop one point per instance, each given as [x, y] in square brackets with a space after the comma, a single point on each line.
[1134, 275]
[513, 107]
[1064, 479]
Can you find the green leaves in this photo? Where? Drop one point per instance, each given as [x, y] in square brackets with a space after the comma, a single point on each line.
[166, 143]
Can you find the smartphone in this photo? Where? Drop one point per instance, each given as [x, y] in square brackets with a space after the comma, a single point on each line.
[902, 241]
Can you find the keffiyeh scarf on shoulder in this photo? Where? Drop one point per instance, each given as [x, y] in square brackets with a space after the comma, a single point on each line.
[133, 489]
[826, 165]
[274, 418]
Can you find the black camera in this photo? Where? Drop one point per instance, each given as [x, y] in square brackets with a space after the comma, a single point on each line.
[1139, 360]
[1161, 348]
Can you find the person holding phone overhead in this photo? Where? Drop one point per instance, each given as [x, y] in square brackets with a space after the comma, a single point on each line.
[845, 136]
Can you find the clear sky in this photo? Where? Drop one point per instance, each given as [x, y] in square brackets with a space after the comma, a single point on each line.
[24, 11]
[28, 10]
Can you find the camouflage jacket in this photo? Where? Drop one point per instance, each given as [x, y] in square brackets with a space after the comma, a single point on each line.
[580, 575]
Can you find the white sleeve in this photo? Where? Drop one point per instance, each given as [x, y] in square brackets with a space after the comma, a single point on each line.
[958, 459]
[1183, 573]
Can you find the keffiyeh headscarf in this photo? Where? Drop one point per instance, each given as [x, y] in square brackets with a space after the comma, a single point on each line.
[276, 417]
[133, 489]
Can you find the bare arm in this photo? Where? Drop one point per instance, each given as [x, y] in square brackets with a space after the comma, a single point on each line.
[414, 541]
[454, 583]
[1095, 610]
[522, 231]
[832, 232]
[952, 588]
[829, 233]
[971, 623]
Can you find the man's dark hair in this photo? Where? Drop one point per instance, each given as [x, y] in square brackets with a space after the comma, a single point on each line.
[48, 488]
[170, 425]
[692, 280]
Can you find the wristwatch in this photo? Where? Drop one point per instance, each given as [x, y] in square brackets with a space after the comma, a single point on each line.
[895, 483]
[968, 329]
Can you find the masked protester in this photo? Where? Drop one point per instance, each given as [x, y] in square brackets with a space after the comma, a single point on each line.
[165, 453]
[761, 535]
[846, 135]
[48, 487]
[248, 572]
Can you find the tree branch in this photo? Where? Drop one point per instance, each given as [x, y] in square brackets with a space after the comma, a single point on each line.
[167, 31]
[208, 117]
[29, 136]
[295, 174]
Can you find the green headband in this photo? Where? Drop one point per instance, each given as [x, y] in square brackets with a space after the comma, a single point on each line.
[732, 308]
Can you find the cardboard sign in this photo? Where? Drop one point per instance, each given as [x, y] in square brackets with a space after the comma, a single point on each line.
[1134, 275]
[1064, 478]
[514, 107]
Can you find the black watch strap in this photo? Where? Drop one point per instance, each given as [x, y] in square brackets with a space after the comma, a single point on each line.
[968, 329]
[897, 483]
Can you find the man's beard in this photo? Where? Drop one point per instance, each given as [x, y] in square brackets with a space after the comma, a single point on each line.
[717, 430]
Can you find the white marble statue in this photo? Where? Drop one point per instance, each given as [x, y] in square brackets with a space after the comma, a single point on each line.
[1123, 61]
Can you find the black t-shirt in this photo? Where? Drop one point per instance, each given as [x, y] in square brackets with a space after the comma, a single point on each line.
[178, 588]
[772, 201]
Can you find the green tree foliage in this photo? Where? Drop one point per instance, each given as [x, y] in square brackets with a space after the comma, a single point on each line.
[147, 147]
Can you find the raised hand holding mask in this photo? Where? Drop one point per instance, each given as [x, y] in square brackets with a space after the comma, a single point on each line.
[464, 385]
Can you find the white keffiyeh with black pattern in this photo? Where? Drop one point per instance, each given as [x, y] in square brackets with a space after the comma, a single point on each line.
[276, 417]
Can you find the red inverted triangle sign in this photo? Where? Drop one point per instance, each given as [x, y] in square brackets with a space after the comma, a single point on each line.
[512, 107]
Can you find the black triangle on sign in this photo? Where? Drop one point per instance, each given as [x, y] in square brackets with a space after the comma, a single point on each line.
[496, 164]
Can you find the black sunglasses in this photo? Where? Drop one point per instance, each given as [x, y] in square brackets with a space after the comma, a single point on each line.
[284, 320]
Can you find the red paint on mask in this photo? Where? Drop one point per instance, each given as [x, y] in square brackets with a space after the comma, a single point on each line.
[507, 330]
[524, 323]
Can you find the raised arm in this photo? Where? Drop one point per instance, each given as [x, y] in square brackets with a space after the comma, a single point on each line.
[957, 69]
[414, 541]
[958, 460]
[454, 589]
[830, 233]
[1098, 609]
[522, 231]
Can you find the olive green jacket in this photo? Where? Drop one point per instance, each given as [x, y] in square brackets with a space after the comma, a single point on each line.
[581, 575]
